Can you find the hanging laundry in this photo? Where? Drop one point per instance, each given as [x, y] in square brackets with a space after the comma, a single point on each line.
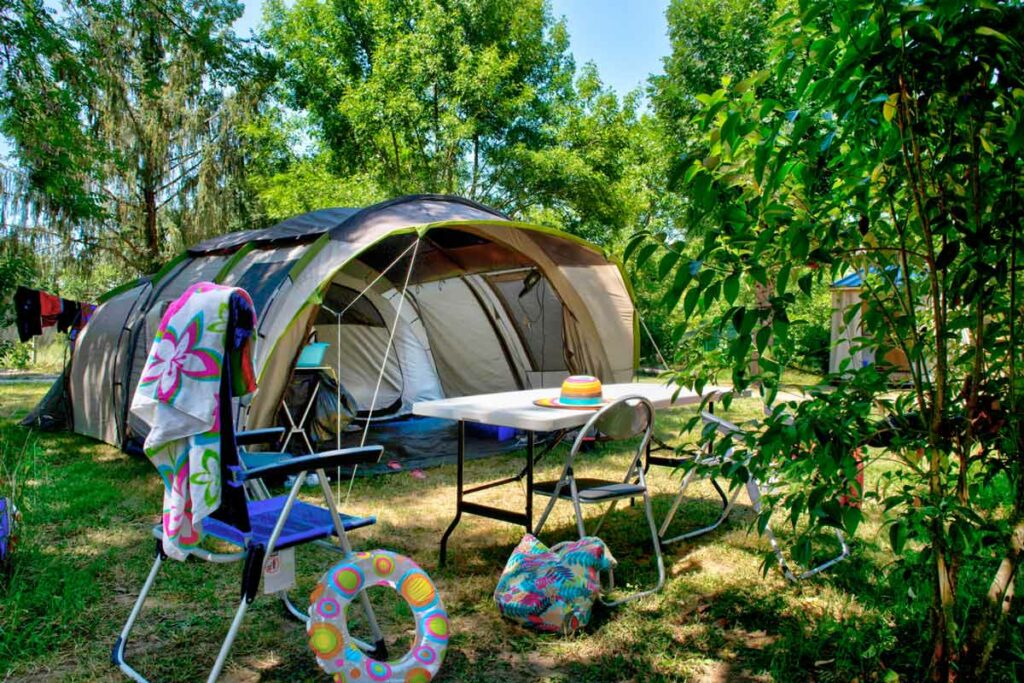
[69, 311]
[49, 308]
[35, 310]
[84, 313]
[26, 309]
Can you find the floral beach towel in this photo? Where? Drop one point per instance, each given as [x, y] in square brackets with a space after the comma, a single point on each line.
[178, 396]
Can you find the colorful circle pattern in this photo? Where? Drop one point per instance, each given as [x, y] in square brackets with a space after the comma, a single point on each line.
[328, 631]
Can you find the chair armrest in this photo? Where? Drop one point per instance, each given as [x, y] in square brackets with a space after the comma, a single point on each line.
[317, 461]
[251, 437]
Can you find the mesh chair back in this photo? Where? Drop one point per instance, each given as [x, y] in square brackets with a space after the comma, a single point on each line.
[625, 419]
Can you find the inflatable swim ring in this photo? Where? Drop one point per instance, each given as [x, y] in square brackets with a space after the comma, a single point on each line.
[336, 651]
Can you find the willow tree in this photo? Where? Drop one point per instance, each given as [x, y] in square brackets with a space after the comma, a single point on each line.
[146, 100]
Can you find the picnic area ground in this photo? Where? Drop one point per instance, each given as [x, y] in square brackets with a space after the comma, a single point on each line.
[85, 547]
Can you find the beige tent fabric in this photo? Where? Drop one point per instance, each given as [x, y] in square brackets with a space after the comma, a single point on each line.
[591, 288]
[362, 350]
[96, 364]
[468, 354]
[599, 325]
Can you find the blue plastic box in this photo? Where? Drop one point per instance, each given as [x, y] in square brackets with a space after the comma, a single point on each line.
[493, 432]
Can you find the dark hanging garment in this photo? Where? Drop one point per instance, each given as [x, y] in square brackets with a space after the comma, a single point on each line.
[26, 307]
[69, 312]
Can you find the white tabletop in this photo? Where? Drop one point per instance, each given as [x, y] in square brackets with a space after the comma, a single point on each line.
[516, 408]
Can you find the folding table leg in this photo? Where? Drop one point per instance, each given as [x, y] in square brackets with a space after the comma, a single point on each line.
[531, 443]
[460, 467]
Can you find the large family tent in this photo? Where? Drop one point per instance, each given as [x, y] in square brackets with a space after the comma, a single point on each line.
[418, 298]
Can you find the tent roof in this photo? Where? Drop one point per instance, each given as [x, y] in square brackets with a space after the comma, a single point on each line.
[343, 223]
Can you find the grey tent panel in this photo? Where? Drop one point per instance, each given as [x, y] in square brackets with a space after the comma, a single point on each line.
[341, 222]
[295, 230]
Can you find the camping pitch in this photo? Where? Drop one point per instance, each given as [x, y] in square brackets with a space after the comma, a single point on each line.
[417, 298]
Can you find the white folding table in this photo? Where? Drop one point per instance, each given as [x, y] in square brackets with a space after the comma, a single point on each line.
[516, 409]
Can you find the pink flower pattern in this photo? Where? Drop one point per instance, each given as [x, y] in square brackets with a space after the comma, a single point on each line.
[175, 355]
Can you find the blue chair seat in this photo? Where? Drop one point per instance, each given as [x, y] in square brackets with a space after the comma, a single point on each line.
[305, 523]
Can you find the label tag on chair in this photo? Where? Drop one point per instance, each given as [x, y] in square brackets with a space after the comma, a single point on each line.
[279, 572]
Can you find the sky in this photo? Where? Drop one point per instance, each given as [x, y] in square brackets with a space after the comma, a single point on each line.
[626, 39]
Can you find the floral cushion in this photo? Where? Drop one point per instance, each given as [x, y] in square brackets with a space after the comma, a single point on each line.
[552, 589]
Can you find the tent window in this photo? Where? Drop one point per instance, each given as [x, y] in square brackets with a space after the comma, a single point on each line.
[261, 280]
[358, 310]
[536, 313]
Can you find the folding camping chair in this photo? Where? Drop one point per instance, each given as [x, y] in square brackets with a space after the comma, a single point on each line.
[624, 419]
[260, 527]
[754, 492]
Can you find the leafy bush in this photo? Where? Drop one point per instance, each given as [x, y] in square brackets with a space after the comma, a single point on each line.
[889, 145]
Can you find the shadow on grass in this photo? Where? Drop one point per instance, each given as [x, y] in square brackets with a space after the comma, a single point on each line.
[86, 548]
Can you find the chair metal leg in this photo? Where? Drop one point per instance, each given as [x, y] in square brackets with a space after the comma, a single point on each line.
[844, 549]
[229, 640]
[649, 513]
[576, 505]
[380, 650]
[549, 507]
[117, 655]
[727, 502]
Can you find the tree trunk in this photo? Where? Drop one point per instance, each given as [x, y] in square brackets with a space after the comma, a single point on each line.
[977, 652]
[152, 232]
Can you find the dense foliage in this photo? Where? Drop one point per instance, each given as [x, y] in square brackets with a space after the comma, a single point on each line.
[854, 151]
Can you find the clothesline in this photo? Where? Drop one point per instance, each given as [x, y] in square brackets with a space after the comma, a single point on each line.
[36, 309]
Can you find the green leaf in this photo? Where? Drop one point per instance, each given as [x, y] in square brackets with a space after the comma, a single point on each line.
[731, 288]
[988, 31]
[690, 301]
[782, 279]
[890, 106]
[799, 248]
[804, 282]
[947, 255]
[764, 335]
[679, 283]
[645, 253]
[667, 262]
[635, 241]
[898, 536]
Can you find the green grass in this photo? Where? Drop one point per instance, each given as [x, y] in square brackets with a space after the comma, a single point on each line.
[85, 547]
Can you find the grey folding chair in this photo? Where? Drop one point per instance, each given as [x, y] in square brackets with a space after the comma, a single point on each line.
[626, 418]
[754, 492]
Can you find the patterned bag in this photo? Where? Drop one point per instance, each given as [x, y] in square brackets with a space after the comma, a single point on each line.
[552, 589]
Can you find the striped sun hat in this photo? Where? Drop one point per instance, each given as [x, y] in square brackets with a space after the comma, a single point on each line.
[579, 392]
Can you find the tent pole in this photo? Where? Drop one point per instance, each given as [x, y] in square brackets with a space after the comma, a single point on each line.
[384, 361]
[338, 315]
[650, 336]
